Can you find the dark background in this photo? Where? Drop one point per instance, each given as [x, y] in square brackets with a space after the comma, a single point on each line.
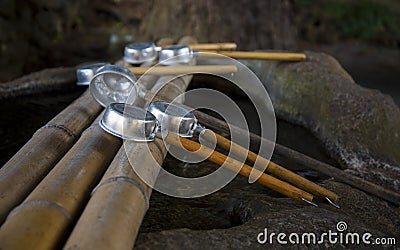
[363, 34]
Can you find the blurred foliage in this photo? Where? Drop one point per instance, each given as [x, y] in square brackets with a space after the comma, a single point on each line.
[376, 22]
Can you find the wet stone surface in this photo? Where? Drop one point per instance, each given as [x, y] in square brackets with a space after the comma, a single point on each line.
[234, 216]
[22, 116]
[359, 127]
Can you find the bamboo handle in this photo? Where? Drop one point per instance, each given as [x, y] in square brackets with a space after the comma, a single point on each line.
[236, 166]
[175, 70]
[213, 46]
[294, 57]
[272, 168]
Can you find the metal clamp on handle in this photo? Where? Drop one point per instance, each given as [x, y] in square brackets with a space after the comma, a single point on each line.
[175, 118]
[176, 54]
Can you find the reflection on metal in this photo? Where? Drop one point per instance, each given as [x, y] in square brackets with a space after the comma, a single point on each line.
[174, 118]
[85, 74]
[176, 54]
[137, 53]
[129, 122]
[112, 84]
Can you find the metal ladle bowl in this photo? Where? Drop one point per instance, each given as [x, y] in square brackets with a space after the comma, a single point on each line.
[137, 53]
[129, 122]
[85, 73]
[112, 84]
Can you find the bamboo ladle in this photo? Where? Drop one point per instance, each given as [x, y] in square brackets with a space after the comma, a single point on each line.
[243, 169]
[208, 46]
[178, 116]
[223, 49]
[220, 48]
[216, 48]
[134, 123]
[273, 168]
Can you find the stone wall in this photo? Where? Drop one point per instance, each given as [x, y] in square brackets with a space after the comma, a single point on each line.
[359, 127]
[38, 34]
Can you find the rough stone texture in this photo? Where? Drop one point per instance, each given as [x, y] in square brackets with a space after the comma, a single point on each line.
[63, 78]
[262, 24]
[235, 215]
[359, 127]
[28, 31]
[36, 34]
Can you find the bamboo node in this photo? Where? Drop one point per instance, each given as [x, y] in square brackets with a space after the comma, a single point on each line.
[60, 127]
[42, 203]
[127, 180]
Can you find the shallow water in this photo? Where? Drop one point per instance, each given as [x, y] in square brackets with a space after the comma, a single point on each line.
[22, 116]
